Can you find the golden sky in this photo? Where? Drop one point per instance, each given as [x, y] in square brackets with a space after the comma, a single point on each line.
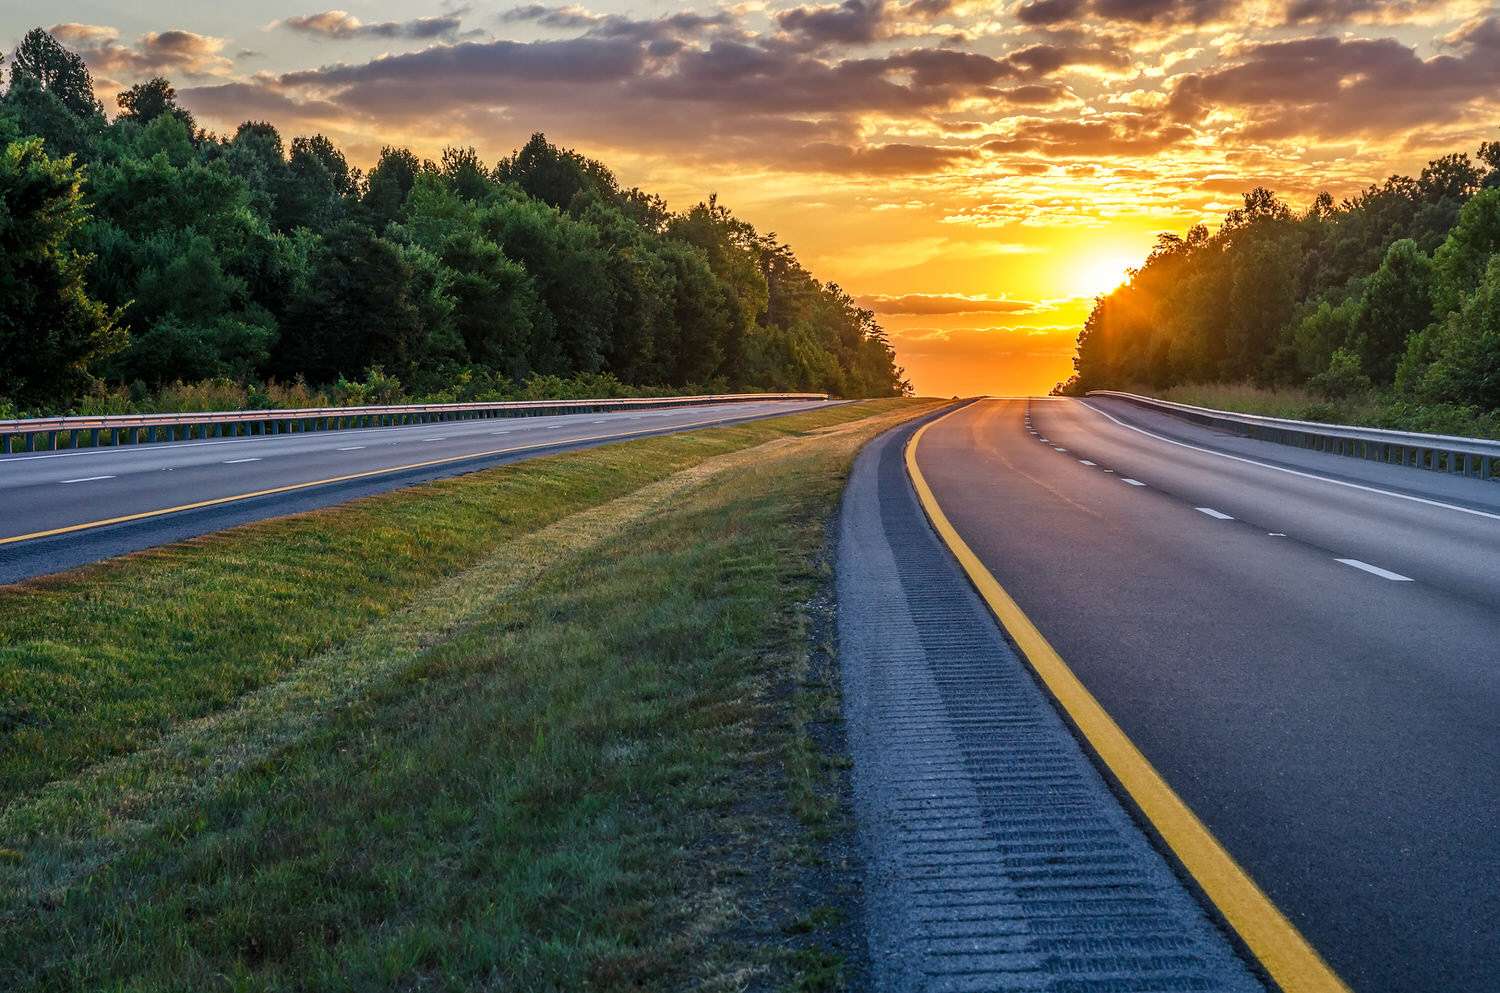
[974, 172]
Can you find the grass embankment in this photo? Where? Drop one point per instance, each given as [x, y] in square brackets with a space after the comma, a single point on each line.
[540, 727]
[1376, 410]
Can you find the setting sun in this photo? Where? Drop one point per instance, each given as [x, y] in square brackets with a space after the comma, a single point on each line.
[1099, 274]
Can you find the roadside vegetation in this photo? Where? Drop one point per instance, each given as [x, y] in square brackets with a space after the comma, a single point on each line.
[553, 726]
[1383, 309]
[140, 251]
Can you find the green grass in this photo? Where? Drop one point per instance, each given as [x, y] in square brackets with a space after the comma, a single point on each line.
[1375, 409]
[538, 728]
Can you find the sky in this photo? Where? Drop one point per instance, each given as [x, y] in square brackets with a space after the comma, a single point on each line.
[974, 172]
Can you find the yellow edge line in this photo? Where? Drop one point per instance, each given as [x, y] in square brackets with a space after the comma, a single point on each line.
[217, 501]
[1281, 949]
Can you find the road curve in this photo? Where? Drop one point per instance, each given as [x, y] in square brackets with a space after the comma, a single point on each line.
[53, 502]
[1306, 647]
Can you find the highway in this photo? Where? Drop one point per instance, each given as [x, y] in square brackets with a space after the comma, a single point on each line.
[1305, 646]
[64, 509]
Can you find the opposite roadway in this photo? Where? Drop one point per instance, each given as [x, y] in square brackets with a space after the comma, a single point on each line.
[49, 491]
[1307, 648]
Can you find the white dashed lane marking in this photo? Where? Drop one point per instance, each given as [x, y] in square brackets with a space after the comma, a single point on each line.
[87, 479]
[351, 448]
[1217, 515]
[1133, 482]
[1375, 570]
[1084, 462]
[238, 461]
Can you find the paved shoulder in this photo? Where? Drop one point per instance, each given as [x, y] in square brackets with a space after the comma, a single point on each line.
[998, 857]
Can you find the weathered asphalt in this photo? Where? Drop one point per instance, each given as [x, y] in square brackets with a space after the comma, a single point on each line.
[997, 858]
[1334, 727]
[42, 491]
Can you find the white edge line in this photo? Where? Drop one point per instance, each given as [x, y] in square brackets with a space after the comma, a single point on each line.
[1295, 472]
[1375, 570]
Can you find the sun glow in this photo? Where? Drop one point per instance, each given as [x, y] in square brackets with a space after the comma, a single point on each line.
[1099, 274]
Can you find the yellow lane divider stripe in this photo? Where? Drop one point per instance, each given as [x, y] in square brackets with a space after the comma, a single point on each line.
[291, 487]
[1281, 949]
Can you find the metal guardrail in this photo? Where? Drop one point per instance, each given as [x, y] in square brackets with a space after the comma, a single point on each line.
[1440, 453]
[125, 429]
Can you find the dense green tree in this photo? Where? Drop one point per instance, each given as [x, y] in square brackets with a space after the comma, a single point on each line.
[1465, 349]
[256, 155]
[145, 102]
[57, 70]
[465, 174]
[360, 307]
[50, 328]
[556, 176]
[390, 183]
[1387, 288]
[37, 112]
[1460, 262]
[1397, 302]
[243, 258]
[317, 186]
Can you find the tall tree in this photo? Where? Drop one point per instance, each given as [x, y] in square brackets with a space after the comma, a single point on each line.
[50, 328]
[145, 102]
[56, 70]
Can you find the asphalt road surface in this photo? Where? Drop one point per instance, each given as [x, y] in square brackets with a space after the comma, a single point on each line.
[1307, 648]
[52, 491]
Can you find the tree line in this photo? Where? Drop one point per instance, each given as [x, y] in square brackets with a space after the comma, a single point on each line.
[1395, 291]
[142, 251]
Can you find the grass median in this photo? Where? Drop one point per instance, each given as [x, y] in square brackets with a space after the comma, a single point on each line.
[539, 727]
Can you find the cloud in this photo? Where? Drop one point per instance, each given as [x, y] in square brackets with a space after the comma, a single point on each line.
[83, 34]
[174, 51]
[1299, 12]
[946, 303]
[1045, 58]
[1053, 13]
[676, 27]
[858, 22]
[342, 25]
[896, 158]
[1109, 135]
[722, 79]
[1339, 87]
[553, 17]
